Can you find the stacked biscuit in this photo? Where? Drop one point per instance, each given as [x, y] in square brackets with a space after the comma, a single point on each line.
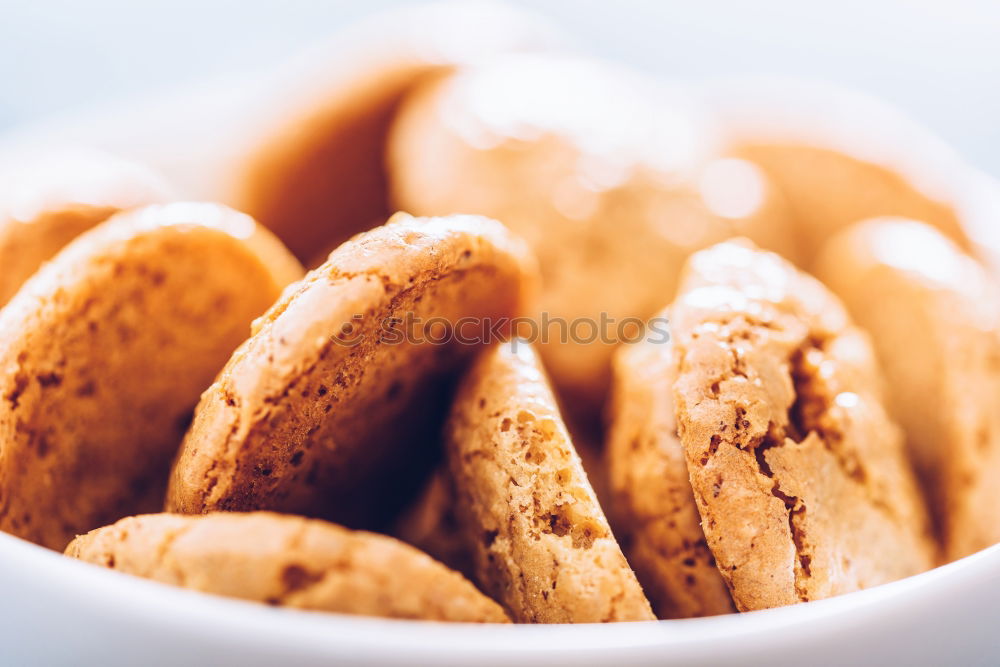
[413, 428]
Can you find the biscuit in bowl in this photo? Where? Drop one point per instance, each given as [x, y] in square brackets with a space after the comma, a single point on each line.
[799, 474]
[104, 352]
[287, 561]
[652, 506]
[432, 524]
[540, 541]
[934, 315]
[333, 406]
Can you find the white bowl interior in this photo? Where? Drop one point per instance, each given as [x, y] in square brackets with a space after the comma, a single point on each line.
[56, 610]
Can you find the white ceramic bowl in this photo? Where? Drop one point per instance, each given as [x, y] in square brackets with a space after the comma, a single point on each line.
[54, 610]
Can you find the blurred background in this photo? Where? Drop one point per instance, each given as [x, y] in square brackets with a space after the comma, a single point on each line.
[940, 61]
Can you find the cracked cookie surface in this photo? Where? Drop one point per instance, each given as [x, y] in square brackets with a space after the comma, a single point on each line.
[104, 352]
[333, 407]
[934, 316]
[799, 475]
[287, 561]
[540, 541]
[652, 505]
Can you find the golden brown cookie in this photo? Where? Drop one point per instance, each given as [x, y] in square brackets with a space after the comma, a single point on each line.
[540, 541]
[104, 352]
[800, 476]
[601, 170]
[431, 523]
[333, 407]
[839, 157]
[313, 168]
[652, 508]
[287, 561]
[48, 200]
[934, 316]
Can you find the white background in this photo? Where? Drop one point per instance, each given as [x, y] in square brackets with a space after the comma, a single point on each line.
[938, 60]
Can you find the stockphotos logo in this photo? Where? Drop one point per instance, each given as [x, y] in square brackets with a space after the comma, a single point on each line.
[411, 329]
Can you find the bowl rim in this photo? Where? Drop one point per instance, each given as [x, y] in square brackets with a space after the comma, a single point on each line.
[180, 612]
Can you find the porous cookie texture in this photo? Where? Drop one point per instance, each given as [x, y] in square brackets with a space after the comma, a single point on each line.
[287, 561]
[934, 315]
[799, 475]
[432, 522]
[652, 507]
[541, 543]
[603, 173]
[333, 407]
[104, 352]
[49, 199]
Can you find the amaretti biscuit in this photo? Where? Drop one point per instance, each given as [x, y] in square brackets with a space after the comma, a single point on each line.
[652, 506]
[934, 315]
[604, 172]
[48, 199]
[287, 561]
[541, 543]
[311, 167]
[432, 523]
[333, 407]
[799, 475]
[104, 352]
[839, 157]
